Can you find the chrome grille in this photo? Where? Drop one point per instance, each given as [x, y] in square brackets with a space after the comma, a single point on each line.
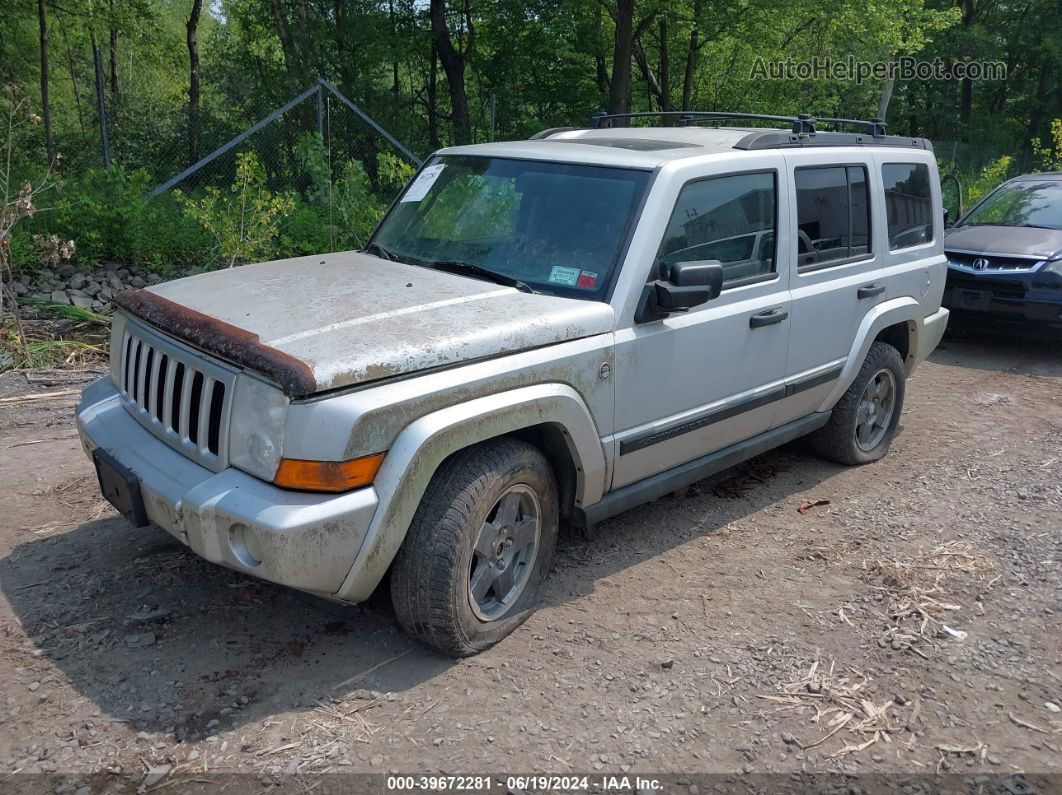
[993, 263]
[177, 394]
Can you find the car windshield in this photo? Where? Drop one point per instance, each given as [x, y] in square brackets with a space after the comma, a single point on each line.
[556, 227]
[1026, 203]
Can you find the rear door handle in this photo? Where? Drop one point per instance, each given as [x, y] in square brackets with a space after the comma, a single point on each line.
[768, 318]
[870, 290]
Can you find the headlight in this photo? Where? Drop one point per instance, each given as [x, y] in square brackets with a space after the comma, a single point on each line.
[256, 426]
[1049, 277]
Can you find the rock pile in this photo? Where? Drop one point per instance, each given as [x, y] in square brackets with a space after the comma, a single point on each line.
[93, 290]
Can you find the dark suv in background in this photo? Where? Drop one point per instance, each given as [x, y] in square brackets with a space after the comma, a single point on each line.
[1005, 256]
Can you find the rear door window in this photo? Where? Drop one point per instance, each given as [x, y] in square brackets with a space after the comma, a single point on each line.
[833, 215]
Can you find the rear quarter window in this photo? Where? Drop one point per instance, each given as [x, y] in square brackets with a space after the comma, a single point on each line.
[908, 204]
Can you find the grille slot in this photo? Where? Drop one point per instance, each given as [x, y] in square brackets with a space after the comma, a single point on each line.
[179, 397]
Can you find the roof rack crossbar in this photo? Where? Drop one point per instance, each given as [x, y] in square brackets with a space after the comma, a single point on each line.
[875, 127]
[802, 124]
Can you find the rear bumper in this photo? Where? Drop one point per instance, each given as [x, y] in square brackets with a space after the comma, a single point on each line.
[304, 540]
[929, 335]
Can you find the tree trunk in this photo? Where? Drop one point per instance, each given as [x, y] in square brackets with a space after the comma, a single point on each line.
[1036, 111]
[101, 101]
[433, 99]
[453, 64]
[691, 67]
[287, 45]
[193, 80]
[394, 52]
[665, 69]
[656, 88]
[304, 44]
[619, 90]
[114, 57]
[966, 100]
[77, 94]
[603, 77]
[600, 57]
[46, 106]
[886, 96]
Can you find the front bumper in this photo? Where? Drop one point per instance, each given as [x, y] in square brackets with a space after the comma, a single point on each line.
[303, 540]
[1011, 297]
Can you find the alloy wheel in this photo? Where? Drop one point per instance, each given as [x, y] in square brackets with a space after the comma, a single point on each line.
[504, 553]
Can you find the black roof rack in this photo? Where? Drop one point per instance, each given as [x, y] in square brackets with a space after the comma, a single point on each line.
[803, 129]
[802, 124]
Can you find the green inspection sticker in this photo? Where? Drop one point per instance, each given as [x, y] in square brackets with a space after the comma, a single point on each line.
[566, 276]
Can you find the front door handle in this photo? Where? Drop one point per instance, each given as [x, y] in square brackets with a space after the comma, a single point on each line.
[870, 290]
[768, 318]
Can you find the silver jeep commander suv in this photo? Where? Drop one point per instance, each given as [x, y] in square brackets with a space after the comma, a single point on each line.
[539, 332]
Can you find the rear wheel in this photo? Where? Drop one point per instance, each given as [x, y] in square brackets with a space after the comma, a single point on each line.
[865, 419]
[479, 548]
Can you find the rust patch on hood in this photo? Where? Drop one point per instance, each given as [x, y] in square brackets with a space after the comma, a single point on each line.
[222, 339]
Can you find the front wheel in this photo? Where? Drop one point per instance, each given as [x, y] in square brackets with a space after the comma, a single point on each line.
[864, 420]
[479, 548]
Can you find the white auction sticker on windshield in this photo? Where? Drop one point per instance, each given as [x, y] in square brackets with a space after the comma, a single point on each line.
[565, 276]
[422, 184]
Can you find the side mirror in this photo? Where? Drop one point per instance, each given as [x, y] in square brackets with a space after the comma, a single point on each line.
[947, 218]
[689, 284]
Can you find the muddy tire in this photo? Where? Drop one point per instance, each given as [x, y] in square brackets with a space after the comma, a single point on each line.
[864, 420]
[479, 548]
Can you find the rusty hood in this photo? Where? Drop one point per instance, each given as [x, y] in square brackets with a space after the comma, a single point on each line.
[334, 320]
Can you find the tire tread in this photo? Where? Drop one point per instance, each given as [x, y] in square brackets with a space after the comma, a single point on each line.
[835, 441]
[424, 571]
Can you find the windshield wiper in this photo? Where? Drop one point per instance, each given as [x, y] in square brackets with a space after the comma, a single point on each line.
[379, 251]
[477, 272]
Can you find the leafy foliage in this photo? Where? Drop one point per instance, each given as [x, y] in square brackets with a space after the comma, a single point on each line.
[109, 215]
[989, 178]
[346, 207]
[1050, 156]
[245, 222]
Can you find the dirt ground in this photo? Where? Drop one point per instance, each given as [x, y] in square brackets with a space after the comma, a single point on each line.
[912, 623]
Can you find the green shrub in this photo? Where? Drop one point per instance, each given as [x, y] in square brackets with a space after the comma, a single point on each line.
[245, 221]
[345, 203]
[1050, 156]
[990, 177]
[395, 172]
[109, 215]
[305, 231]
[99, 210]
[165, 237]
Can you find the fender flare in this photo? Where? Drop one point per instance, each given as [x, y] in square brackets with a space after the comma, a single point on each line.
[888, 313]
[418, 451]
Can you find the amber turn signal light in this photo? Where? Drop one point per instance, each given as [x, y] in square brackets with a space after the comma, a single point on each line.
[327, 475]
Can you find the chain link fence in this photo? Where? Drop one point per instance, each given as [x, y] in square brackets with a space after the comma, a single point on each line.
[318, 129]
[137, 191]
